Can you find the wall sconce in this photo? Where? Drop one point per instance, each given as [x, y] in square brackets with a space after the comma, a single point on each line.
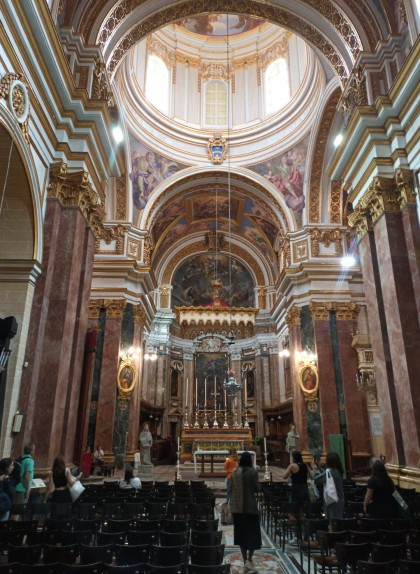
[365, 381]
[306, 357]
[150, 355]
[284, 353]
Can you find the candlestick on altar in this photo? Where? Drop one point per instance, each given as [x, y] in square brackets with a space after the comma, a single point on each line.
[186, 422]
[196, 423]
[225, 423]
[266, 473]
[265, 444]
[215, 423]
[205, 393]
[205, 422]
[178, 470]
[196, 395]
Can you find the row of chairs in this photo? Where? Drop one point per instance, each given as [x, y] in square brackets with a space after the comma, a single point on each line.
[102, 568]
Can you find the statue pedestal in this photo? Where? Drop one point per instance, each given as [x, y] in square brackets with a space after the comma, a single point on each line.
[145, 472]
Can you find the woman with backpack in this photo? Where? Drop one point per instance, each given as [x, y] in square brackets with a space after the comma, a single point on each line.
[7, 490]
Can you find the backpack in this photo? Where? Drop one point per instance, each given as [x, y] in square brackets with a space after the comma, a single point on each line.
[5, 502]
[15, 474]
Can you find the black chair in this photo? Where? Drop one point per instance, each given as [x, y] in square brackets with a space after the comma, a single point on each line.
[61, 509]
[309, 545]
[147, 525]
[140, 537]
[24, 554]
[22, 510]
[55, 568]
[392, 536]
[58, 524]
[208, 555]
[168, 555]
[112, 509]
[202, 511]
[87, 510]
[176, 569]
[169, 525]
[178, 510]
[66, 554]
[358, 537]
[14, 537]
[133, 509]
[12, 568]
[27, 525]
[93, 554]
[376, 568]
[199, 538]
[114, 525]
[340, 524]
[44, 537]
[414, 551]
[205, 525]
[97, 568]
[368, 524]
[103, 538]
[155, 510]
[133, 569]
[348, 555]
[93, 524]
[131, 554]
[327, 558]
[388, 552]
[199, 569]
[174, 538]
[409, 566]
[77, 536]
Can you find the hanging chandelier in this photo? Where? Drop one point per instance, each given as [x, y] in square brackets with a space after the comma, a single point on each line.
[231, 385]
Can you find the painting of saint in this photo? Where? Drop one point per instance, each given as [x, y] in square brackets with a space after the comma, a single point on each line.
[219, 24]
[309, 379]
[211, 367]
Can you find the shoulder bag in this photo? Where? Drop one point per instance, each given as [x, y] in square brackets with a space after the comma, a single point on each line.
[330, 492]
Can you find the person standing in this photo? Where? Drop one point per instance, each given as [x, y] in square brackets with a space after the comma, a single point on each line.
[98, 459]
[60, 481]
[7, 490]
[379, 500]
[27, 467]
[244, 507]
[146, 441]
[231, 463]
[333, 464]
[299, 494]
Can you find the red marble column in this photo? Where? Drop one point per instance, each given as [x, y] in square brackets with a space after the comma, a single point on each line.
[50, 386]
[134, 419]
[328, 401]
[355, 401]
[299, 404]
[107, 397]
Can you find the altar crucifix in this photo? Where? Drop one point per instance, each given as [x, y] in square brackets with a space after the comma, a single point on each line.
[215, 394]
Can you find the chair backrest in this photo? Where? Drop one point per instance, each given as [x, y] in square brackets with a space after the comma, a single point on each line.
[409, 566]
[208, 556]
[387, 552]
[58, 524]
[117, 525]
[392, 536]
[96, 568]
[110, 538]
[24, 554]
[174, 538]
[90, 554]
[358, 536]
[133, 569]
[153, 524]
[175, 569]
[350, 554]
[169, 525]
[205, 525]
[131, 554]
[168, 555]
[327, 540]
[376, 568]
[66, 554]
[199, 538]
[77, 536]
[340, 524]
[143, 536]
[220, 569]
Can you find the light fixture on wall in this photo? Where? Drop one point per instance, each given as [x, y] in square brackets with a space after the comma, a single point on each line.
[284, 353]
[306, 357]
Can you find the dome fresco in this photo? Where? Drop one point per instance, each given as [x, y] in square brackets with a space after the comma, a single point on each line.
[219, 24]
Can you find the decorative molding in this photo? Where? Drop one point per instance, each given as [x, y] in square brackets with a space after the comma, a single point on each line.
[140, 316]
[293, 317]
[217, 149]
[115, 308]
[336, 199]
[147, 249]
[13, 88]
[317, 170]
[133, 248]
[320, 311]
[355, 93]
[381, 197]
[165, 291]
[300, 251]
[261, 291]
[121, 197]
[95, 306]
[359, 221]
[74, 189]
[405, 183]
[326, 237]
[109, 234]
[346, 311]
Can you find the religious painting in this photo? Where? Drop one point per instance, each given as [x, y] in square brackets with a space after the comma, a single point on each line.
[287, 173]
[192, 282]
[219, 24]
[126, 379]
[208, 207]
[308, 379]
[148, 169]
[210, 374]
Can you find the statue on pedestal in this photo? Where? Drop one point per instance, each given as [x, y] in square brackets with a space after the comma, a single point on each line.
[292, 440]
[146, 441]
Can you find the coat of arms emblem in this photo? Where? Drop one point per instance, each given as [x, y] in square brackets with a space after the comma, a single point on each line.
[217, 148]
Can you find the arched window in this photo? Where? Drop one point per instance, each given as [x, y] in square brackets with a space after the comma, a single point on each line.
[216, 103]
[277, 86]
[157, 83]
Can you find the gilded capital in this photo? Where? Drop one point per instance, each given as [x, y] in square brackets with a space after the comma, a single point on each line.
[108, 234]
[346, 311]
[165, 291]
[293, 317]
[74, 189]
[95, 306]
[405, 183]
[115, 308]
[359, 221]
[381, 196]
[320, 311]
[139, 315]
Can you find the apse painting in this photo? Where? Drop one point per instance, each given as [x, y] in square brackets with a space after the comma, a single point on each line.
[287, 173]
[210, 207]
[148, 169]
[192, 282]
[219, 24]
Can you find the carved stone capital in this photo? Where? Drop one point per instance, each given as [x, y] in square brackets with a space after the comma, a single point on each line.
[108, 234]
[381, 196]
[359, 221]
[293, 317]
[346, 311]
[115, 308]
[74, 189]
[165, 291]
[139, 315]
[405, 183]
[320, 311]
[95, 306]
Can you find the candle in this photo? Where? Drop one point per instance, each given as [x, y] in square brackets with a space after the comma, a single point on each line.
[186, 393]
[196, 394]
[245, 393]
[178, 443]
[225, 399]
[215, 390]
[205, 393]
[265, 444]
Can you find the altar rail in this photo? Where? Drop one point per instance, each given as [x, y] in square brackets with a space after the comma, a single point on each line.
[217, 444]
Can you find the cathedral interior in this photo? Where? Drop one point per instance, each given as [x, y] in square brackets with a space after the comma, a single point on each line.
[209, 219]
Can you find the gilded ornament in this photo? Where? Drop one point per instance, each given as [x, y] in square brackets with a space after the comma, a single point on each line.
[381, 196]
[293, 317]
[115, 308]
[326, 237]
[110, 233]
[121, 197]
[13, 87]
[165, 291]
[139, 315]
[346, 311]
[300, 251]
[95, 306]
[336, 198]
[405, 183]
[133, 248]
[126, 379]
[261, 297]
[359, 221]
[320, 311]
[146, 250]
[217, 149]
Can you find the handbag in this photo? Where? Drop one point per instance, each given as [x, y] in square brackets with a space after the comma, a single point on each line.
[76, 490]
[402, 505]
[226, 514]
[330, 492]
[313, 490]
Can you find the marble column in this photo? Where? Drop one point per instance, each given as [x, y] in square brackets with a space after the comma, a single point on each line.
[299, 405]
[134, 417]
[107, 397]
[50, 389]
[355, 401]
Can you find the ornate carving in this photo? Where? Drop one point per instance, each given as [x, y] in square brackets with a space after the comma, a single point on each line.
[278, 50]
[140, 316]
[74, 189]
[326, 237]
[13, 88]
[381, 196]
[155, 47]
[317, 169]
[354, 93]
[217, 149]
[115, 308]
[109, 234]
[133, 248]
[215, 241]
[293, 317]
[121, 197]
[126, 379]
[336, 198]
[81, 76]
[95, 306]
[100, 85]
[346, 311]
[320, 311]
[300, 251]
[359, 221]
[165, 291]
[146, 250]
[405, 183]
[261, 297]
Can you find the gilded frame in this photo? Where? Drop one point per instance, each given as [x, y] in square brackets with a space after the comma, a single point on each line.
[309, 381]
[126, 379]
